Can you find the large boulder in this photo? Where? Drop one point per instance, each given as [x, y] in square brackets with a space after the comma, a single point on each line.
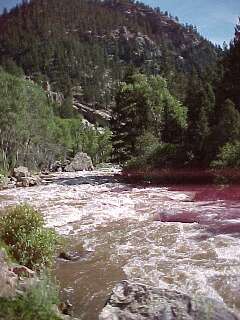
[131, 301]
[21, 172]
[23, 177]
[80, 162]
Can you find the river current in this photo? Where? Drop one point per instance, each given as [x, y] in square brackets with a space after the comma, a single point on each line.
[185, 238]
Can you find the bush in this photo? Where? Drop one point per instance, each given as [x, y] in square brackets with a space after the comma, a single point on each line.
[228, 157]
[165, 155]
[2, 178]
[36, 303]
[22, 229]
[136, 163]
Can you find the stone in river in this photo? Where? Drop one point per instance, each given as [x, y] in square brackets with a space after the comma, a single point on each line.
[73, 255]
[132, 301]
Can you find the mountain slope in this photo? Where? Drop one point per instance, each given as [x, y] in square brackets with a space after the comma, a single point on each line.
[90, 44]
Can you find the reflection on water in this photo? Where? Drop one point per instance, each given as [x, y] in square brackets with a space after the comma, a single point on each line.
[183, 238]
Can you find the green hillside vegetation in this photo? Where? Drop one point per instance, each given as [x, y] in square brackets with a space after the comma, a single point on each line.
[92, 43]
[173, 96]
[33, 134]
[151, 128]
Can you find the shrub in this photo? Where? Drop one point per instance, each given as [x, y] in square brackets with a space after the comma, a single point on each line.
[30, 243]
[36, 303]
[3, 177]
[228, 157]
[165, 155]
[136, 163]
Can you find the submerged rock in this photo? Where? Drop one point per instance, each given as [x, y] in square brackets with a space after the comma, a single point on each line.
[73, 255]
[131, 301]
[66, 308]
[80, 162]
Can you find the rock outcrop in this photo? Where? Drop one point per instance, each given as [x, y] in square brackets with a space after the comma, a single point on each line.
[91, 113]
[21, 172]
[131, 301]
[23, 177]
[80, 162]
[16, 279]
[8, 279]
[59, 166]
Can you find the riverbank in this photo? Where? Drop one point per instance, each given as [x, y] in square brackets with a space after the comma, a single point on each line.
[189, 176]
[27, 252]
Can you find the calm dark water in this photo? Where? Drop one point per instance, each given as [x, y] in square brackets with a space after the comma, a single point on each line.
[184, 237]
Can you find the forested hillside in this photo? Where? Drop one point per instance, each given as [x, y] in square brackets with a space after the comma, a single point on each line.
[152, 127]
[172, 96]
[89, 45]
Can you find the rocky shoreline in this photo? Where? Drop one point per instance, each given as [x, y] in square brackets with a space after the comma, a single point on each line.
[134, 301]
[20, 177]
[16, 280]
[23, 177]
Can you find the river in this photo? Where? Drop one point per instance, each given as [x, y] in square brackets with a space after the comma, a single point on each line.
[185, 237]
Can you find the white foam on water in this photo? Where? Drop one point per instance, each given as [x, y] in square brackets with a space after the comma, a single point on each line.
[116, 222]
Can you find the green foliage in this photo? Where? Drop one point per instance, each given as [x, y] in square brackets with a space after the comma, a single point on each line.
[145, 147]
[36, 303]
[30, 243]
[81, 43]
[146, 143]
[66, 109]
[200, 101]
[228, 157]
[26, 123]
[164, 155]
[228, 128]
[86, 49]
[144, 104]
[76, 136]
[32, 135]
[12, 68]
[2, 178]
[230, 87]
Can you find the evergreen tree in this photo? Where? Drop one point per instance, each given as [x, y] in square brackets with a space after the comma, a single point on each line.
[231, 81]
[200, 101]
[144, 105]
[228, 129]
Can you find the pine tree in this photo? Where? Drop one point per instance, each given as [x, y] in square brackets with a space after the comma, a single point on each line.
[231, 81]
[144, 106]
[200, 101]
[228, 129]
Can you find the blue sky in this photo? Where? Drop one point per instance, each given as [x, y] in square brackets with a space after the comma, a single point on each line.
[215, 19]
